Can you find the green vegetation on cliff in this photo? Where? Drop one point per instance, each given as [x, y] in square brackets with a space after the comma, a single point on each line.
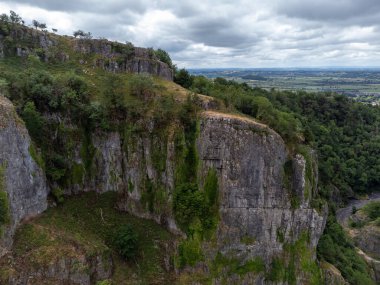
[372, 210]
[336, 248]
[344, 133]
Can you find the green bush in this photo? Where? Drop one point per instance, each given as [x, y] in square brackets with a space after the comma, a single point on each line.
[254, 265]
[277, 270]
[36, 156]
[372, 210]
[33, 121]
[126, 242]
[188, 204]
[190, 252]
[336, 248]
[163, 56]
[141, 86]
[58, 195]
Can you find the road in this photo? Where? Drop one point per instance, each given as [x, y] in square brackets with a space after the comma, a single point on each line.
[343, 214]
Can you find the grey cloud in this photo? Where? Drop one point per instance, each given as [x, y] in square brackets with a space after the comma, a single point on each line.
[89, 6]
[218, 32]
[328, 10]
[231, 33]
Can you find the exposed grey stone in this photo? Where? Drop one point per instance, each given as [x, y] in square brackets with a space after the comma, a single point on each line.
[25, 181]
[249, 159]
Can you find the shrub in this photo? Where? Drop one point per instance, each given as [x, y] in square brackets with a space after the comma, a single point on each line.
[33, 120]
[336, 248]
[163, 56]
[190, 252]
[58, 195]
[183, 78]
[188, 203]
[141, 86]
[126, 242]
[372, 210]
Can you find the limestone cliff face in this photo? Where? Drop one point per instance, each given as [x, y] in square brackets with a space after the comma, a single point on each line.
[24, 181]
[254, 202]
[264, 190]
[111, 56]
[127, 165]
[75, 268]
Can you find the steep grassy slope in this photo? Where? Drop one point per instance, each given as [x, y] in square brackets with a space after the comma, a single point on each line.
[85, 225]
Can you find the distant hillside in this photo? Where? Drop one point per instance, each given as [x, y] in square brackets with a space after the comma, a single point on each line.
[19, 40]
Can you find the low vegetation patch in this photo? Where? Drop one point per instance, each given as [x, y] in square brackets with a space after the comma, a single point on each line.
[372, 210]
[91, 223]
[336, 248]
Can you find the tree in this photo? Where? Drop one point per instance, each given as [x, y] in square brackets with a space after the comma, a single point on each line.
[183, 78]
[126, 242]
[42, 26]
[38, 25]
[4, 18]
[54, 30]
[33, 120]
[82, 34]
[79, 33]
[35, 23]
[163, 56]
[15, 18]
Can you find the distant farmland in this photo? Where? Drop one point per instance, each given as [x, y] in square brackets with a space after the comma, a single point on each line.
[361, 84]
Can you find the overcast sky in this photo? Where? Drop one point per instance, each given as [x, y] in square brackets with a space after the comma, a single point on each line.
[217, 33]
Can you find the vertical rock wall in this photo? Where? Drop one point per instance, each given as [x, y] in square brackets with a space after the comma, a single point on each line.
[24, 181]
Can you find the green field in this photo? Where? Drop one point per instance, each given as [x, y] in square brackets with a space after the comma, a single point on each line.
[362, 85]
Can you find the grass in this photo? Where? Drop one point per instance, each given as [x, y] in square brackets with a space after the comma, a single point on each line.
[372, 210]
[90, 222]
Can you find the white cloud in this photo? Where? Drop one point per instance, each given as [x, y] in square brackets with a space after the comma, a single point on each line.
[221, 33]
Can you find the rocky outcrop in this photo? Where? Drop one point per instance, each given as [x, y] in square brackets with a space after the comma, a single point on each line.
[366, 235]
[23, 179]
[127, 166]
[112, 56]
[77, 269]
[368, 240]
[264, 190]
[331, 275]
[255, 203]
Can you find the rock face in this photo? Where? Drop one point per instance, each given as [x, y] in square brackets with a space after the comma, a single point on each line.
[77, 269]
[112, 56]
[250, 159]
[24, 181]
[128, 166]
[254, 203]
[264, 191]
[367, 240]
[331, 275]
